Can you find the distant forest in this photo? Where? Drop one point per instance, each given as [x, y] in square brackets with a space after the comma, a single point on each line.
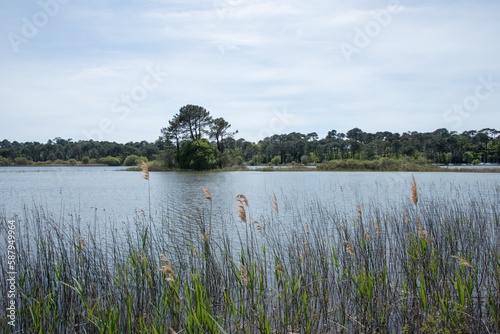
[440, 146]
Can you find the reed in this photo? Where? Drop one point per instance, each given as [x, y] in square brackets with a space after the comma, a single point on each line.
[365, 271]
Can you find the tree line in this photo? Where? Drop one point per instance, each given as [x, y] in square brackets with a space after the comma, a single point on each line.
[193, 139]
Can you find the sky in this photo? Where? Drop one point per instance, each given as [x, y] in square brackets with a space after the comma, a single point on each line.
[119, 70]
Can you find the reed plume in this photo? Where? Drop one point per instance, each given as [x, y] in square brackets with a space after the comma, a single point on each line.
[145, 175]
[414, 193]
[243, 275]
[462, 261]
[349, 248]
[208, 195]
[241, 212]
[167, 268]
[242, 199]
[275, 203]
[145, 170]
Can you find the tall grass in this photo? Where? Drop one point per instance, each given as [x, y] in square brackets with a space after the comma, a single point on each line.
[427, 268]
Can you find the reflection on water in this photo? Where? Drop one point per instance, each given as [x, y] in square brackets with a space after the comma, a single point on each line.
[114, 195]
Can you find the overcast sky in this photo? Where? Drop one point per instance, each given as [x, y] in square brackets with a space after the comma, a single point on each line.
[119, 70]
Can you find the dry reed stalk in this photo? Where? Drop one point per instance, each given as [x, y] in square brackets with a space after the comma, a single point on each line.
[243, 275]
[241, 212]
[462, 261]
[242, 199]
[366, 236]
[208, 195]
[359, 210]
[377, 227]
[414, 193]
[167, 268]
[421, 232]
[424, 234]
[163, 258]
[349, 248]
[279, 269]
[275, 203]
[204, 237]
[145, 170]
[81, 242]
[306, 246]
[257, 226]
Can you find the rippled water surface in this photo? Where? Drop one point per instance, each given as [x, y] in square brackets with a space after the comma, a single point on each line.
[118, 195]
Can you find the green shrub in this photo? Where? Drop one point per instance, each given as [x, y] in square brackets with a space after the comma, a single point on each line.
[85, 160]
[110, 161]
[239, 160]
[198, 155]
[73, 162]
[60, 162]
[155, 165]
[4, 161]
[276, 160]
[131, 160]
[22, 161]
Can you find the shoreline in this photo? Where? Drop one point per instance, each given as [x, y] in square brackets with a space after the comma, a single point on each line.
[285, 168]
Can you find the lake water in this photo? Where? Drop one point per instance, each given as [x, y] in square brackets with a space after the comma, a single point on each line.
[115, 194]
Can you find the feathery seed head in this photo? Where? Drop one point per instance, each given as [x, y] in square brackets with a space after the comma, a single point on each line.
[349, 248]
[145, 170]
[242, 199]
[208, 195]
[414, 193]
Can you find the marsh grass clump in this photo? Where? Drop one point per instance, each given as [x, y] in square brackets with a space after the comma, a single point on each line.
[403, 270]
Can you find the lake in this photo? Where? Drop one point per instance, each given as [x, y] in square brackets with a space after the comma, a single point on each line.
[111, 193]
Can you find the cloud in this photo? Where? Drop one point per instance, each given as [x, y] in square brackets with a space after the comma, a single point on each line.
[243, 60]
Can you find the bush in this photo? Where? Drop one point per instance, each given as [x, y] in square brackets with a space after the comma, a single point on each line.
[110, 161]
[198, 155]
[155, 165]
[22, 161]
[60, 162]
[4, 161]
[276, 160]
[131, 160]
[73, 162]
[239, 160]
[305, 159]
[85, 160]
